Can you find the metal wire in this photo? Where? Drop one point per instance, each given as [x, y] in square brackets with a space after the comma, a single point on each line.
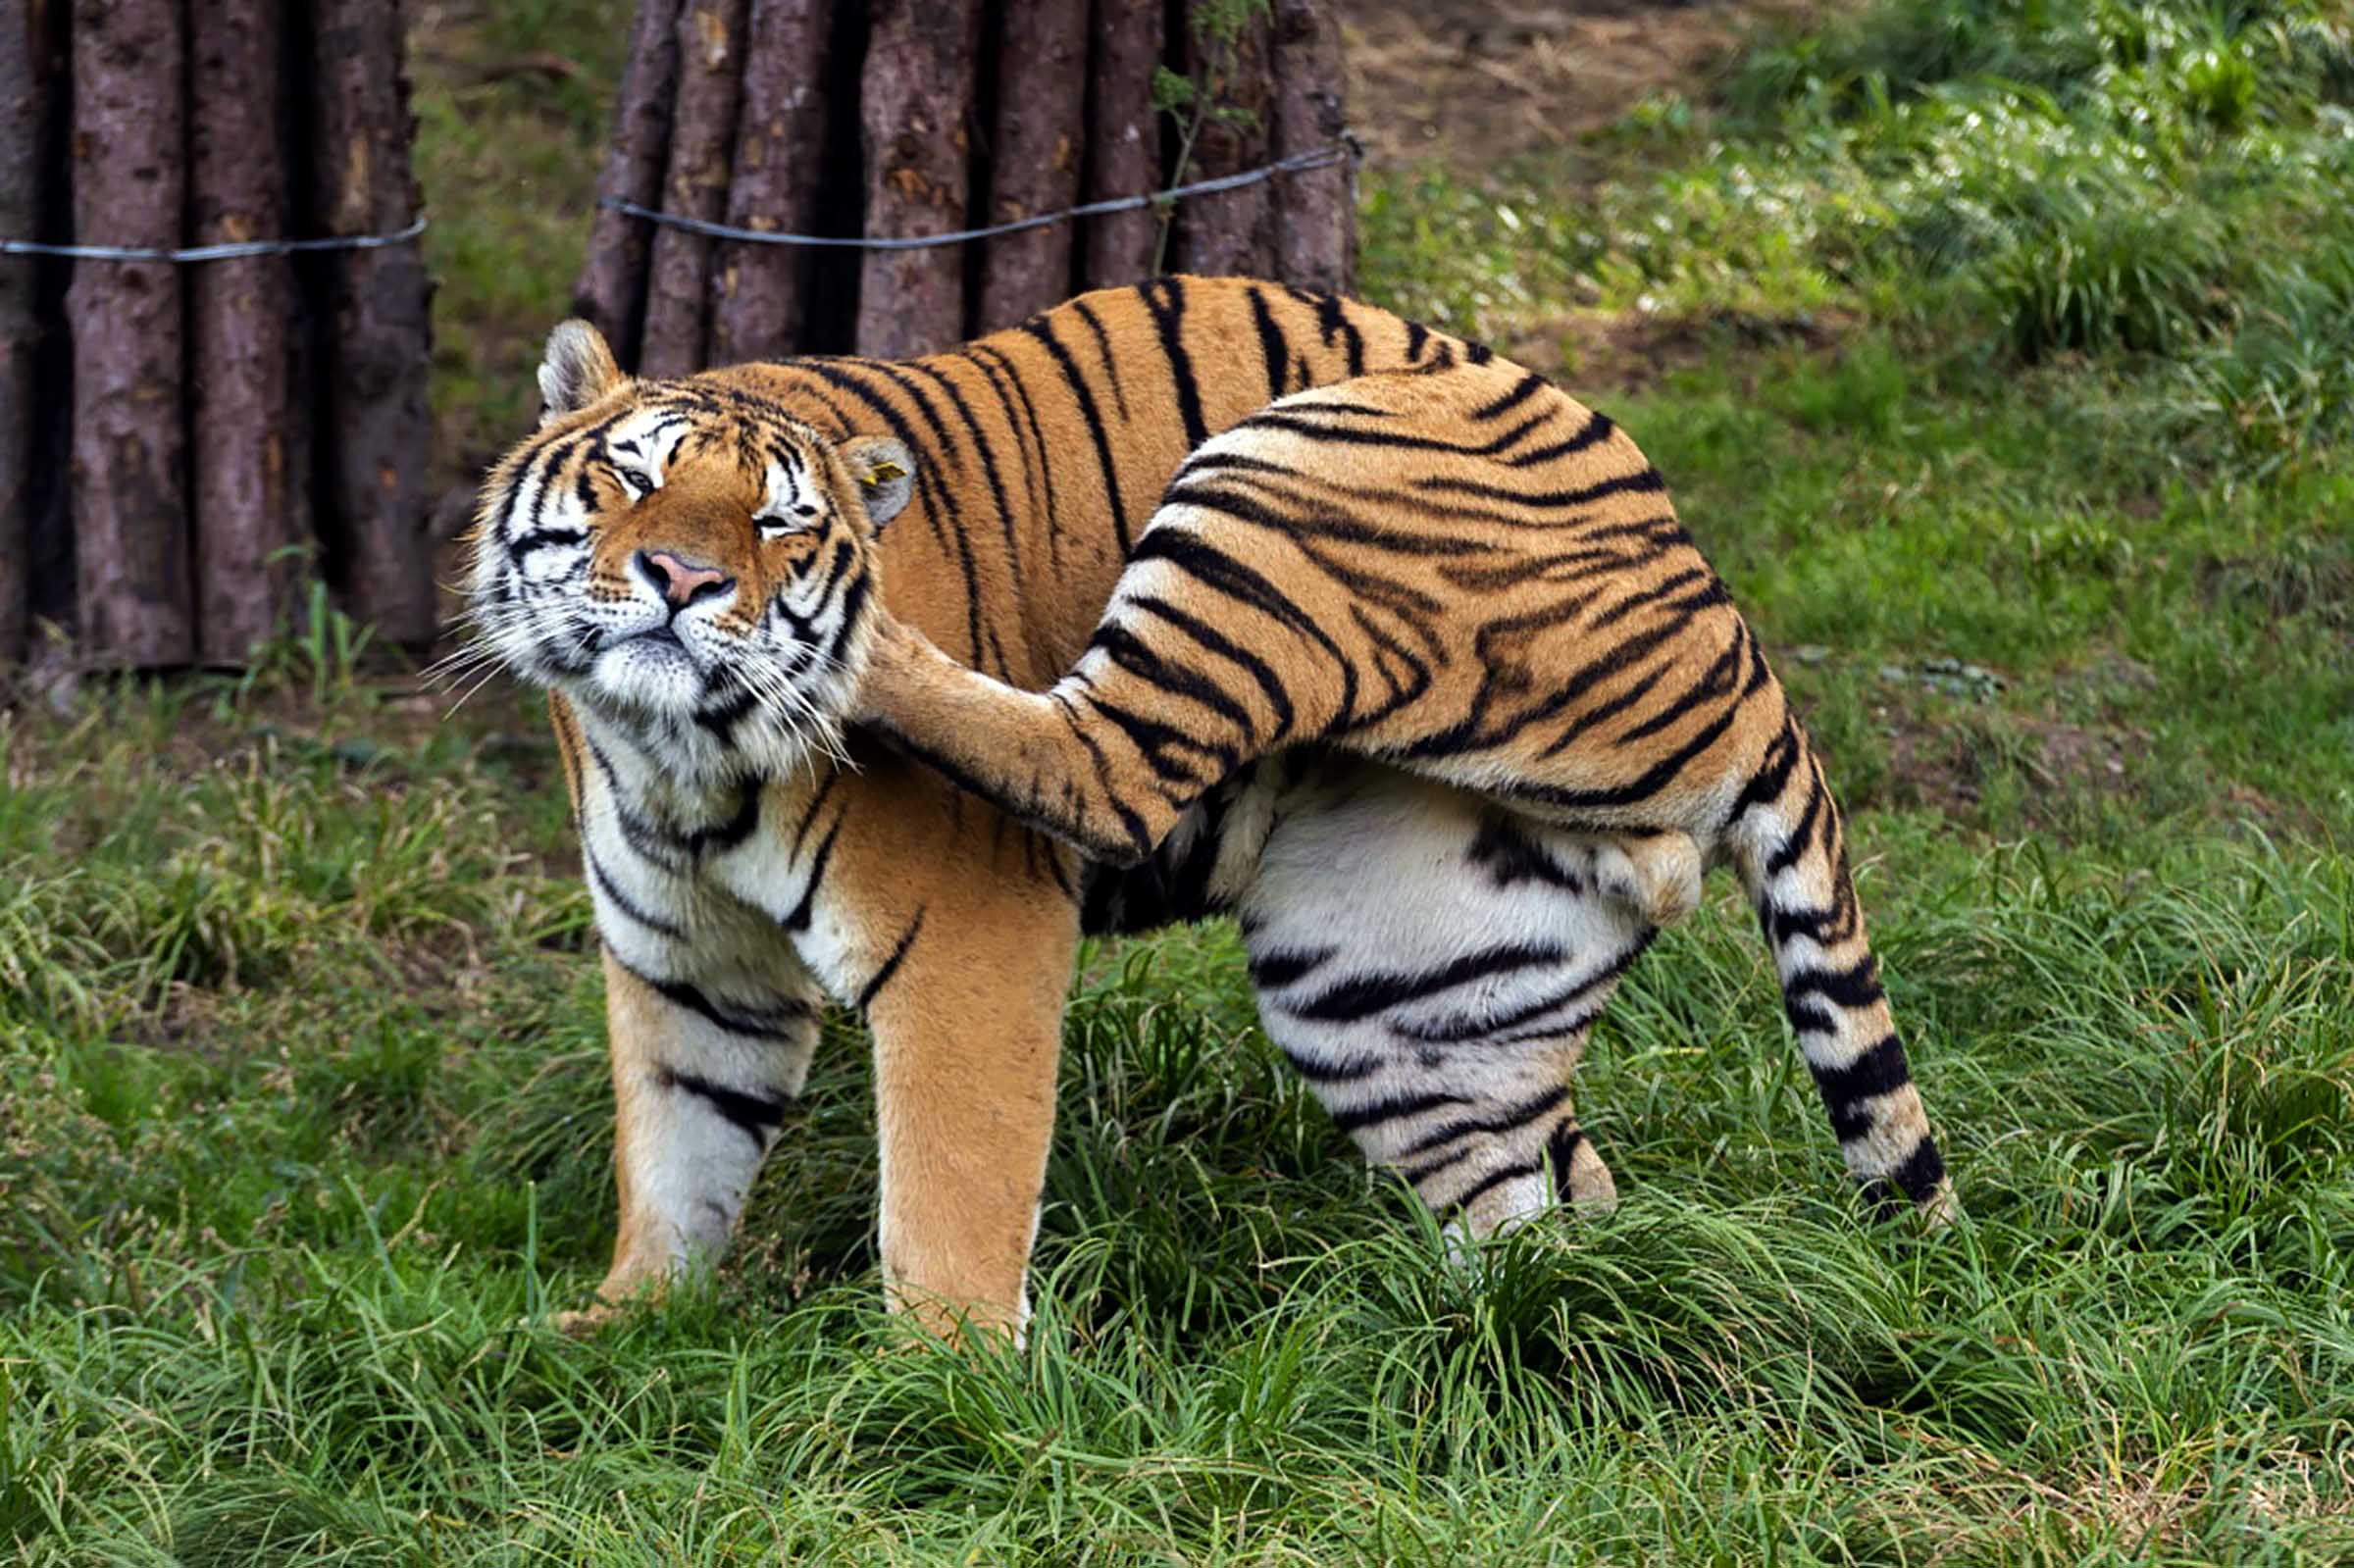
[1314, 157]
[211, 253]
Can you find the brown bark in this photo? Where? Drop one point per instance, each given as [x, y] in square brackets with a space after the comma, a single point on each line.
[1123, 143]
[758, 292]
[237, 313]
[1034, 157]
[130, 514]
[1315, 209]
[711, 36]
[611, 291]
[915, 103]
[1231, 232]
[28, 30]
[373, 428]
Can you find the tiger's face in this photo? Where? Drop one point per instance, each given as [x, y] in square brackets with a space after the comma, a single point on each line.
[685, 561]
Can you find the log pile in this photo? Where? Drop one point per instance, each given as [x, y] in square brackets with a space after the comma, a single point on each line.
[177, 440]
[903, 118]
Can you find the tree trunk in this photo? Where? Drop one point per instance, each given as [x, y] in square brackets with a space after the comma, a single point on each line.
[374, 428]
[245, 566]
[1034, 157]
[1123, 143]
[915, 105]
[25, 60]
[710, 76]
[611, 291]
[1231, 232]
[129, 518]
[758, 292]
[1315, 209]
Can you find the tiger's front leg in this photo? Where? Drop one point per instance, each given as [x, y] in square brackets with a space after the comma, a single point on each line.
[968, 1029]
[701, 1084]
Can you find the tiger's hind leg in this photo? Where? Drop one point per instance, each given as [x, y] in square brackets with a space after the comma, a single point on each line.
[1433, 967]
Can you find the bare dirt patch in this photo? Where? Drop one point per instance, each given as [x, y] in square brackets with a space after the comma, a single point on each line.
[1471, 83]
[1629, 351]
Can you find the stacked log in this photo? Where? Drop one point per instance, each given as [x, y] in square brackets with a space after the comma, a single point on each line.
[1231, 230]
[710, 51]
[374, 439]
[246, 527]
[131, 514]
[1034, 155]
[758, 290]
[28, 80]
[190, 472]
[956, 114]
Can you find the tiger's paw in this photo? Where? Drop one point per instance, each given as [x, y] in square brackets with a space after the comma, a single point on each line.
[588, 1321]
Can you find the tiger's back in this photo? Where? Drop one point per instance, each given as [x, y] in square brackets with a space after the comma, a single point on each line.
[1042, 450]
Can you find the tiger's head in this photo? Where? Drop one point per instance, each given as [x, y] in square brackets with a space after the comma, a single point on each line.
[685, 560]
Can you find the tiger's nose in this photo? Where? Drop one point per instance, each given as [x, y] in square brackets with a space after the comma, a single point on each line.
[680, 581]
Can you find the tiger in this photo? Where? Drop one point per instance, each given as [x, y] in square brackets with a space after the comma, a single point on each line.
[761, 598]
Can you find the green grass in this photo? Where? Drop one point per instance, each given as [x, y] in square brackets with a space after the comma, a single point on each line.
[304, 1126]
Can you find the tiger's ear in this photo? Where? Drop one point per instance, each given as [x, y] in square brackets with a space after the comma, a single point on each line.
[578, 370]
[886, 474]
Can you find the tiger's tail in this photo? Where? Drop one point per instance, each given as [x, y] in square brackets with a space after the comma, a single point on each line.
[1789, 847]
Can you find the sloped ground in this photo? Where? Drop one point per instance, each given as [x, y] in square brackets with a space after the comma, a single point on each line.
[1472, 84]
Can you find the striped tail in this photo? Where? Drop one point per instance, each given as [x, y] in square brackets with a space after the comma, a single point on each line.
[1790, 850]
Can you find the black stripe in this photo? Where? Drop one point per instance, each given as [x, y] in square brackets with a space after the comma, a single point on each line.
[797, 919]
[1598, 428]
[1465, 1027]
[1332, 322]
[733, 831]
[1143, 661]
[890, 966]
[1511, 1119]
[543, 539]
[1273, 970]
[1644, 481]
[1786, 854]
[1014, 399]
[773, 1024]
[989, 460]
[1298, 419]
[1879, 1070]
[1560, 1149]
[1157, 745]
[1164, 297]
[1363, 995]
[623, 901]
[1825, 927]
[1857, 986]
[1111, 375]
[756, 1115]
[1389, 1108]
[1346, 1070]
[1522, 391]
[1274, 349]
[1644, 784]
[1041, 328]
[1225, 647]
[1494, 1179]
[1772, 775]
[1916, 1177]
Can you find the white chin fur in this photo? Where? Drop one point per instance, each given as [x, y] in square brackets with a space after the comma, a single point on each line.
[651, 675]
